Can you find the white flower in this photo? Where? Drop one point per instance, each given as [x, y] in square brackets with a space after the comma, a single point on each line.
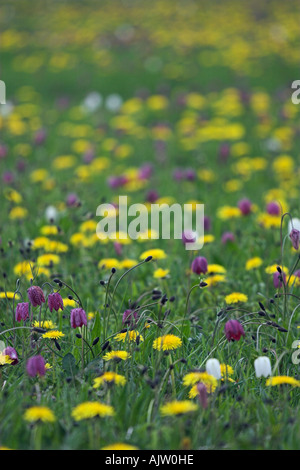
[51, 214]
[113, 102]
[6, 109]
[213, 368]
[262, 366]
[294, 223]
[92, 101]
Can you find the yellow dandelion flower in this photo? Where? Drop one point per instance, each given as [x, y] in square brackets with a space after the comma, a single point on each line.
[160, 273]
[55, 334]
[39, 413]
[4, 359]
[46, 324]
[127, 263]
[273, 269]
[214, 280]
[116, 355]
[49, 230]
[128, 335]
[48, 366]
[88, 226]
[39, 175]
[92, 409]
[253, 263]
[235, 297]
[177, 407]
[119, 446]
[208, 238]
[228, 212]
[193, 378]
[108, 263]
[13, 196]
[269, 221]
[282, 379]
[69, 302]
[64, 162]
[18, 213]
[109, 378]
[167, 343]
[226, 370]
[48, 259]
[215, 269]
[9, 295]
[156, 253]
[91, 316]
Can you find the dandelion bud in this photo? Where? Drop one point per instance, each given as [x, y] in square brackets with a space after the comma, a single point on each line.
[55, 302]
[36, 366]
[262, 366]
[78, 317]
[105, 346]
[234, 330]
[262, 306]
[22, 311]
[36, 296]
[213, 368]
[199, 265]
[203, 284]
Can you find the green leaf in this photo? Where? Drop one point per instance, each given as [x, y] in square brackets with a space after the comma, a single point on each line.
[69, 364]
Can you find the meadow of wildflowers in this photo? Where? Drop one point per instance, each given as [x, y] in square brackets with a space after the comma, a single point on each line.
[142, 344]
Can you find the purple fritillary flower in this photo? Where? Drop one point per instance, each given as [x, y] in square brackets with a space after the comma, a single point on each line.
[36, 366]
[273, 208]
[129, 315]
[189, 236]
[245, 206]
[227, 237]
[199, 265]
[12, 353]
[295, 238]
[78, 317]
[278, 278]
[22, 311]
[36, 296]
[55, 302]
[233, 330]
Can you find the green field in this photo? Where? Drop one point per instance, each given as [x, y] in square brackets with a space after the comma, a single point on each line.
[185, 102]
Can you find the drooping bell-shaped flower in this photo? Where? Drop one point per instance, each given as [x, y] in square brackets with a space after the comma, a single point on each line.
[262, 366]
[245, 206]
[36, 366]
[199, 265]
[22, 311]
[55, 302]
[213, 368]
[233, 330]
[78, 317]
[295, 238]
[12, 354]
[36, 296]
